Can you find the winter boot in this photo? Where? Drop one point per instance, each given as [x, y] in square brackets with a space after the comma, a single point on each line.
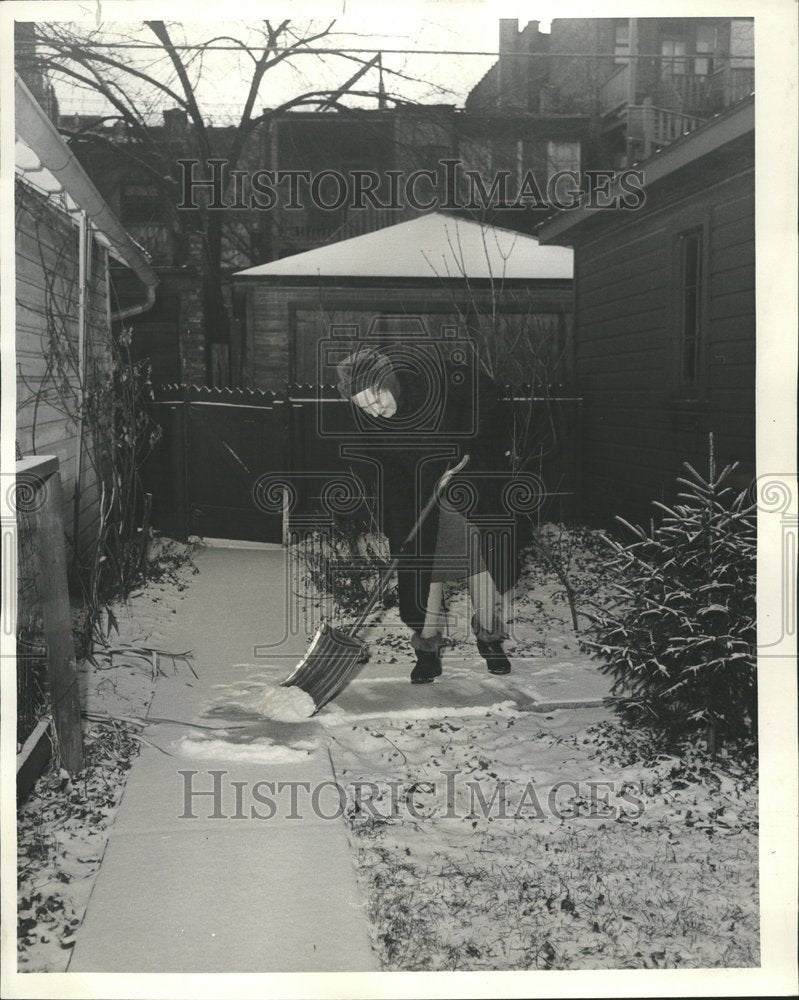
[428, 658]
[489, 646]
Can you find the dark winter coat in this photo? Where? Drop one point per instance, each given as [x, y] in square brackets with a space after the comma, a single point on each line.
[442, 416]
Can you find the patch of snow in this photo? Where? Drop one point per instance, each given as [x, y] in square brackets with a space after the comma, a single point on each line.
[258, 751]
[304, 745]
[286, 704]
[267, 700]
[336, 716]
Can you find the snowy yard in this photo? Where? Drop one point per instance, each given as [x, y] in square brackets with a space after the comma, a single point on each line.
[485, 834]
[599, 850]
[502, 838]
[659, 871]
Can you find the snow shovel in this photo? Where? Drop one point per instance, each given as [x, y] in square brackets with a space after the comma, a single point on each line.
[335, 655]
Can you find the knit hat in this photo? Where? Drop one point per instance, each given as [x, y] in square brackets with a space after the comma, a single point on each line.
[365, 368]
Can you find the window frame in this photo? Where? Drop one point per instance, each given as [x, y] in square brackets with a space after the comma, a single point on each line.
[690, 388]
[673, 63]
[621, 44]
[705, 50]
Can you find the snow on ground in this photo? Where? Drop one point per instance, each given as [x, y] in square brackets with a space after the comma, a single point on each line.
[64, 824]
[334, 716]
[286, 704]
[516, 841]
[502, 838]
[487, 836]
[261, 750]
[259, 697]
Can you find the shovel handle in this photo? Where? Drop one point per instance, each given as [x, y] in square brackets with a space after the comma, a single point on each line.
[381, 584]
[439, 489]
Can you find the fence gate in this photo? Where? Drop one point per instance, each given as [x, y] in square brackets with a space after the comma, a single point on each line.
[215, 445]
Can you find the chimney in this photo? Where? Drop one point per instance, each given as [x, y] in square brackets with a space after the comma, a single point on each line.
[508, 34]
[508, 61]
[175, 121]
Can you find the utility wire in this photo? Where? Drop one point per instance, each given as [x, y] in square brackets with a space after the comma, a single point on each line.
[301, 50]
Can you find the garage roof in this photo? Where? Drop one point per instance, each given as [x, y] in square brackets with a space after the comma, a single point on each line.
[433, 246]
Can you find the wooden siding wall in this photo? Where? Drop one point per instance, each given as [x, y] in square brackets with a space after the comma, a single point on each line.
[641, 424]
[47, 377]
[284, 323]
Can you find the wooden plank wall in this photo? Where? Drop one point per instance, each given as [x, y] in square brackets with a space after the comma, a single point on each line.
[640, 423]
[284, 322]
[47, 349]
[731, 354]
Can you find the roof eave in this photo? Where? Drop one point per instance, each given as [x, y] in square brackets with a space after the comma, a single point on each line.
[38, 132]
[399, 280]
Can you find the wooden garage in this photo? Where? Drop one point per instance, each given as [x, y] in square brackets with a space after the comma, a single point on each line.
[433, 276]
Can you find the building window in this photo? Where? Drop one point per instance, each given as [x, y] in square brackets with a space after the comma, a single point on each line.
[621, 45]
[690, 255]
[671, 50]
[742, 44]
[705, 48]
[562, 156]
[563, 159]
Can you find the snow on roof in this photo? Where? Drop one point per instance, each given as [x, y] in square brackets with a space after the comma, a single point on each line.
[431, 246]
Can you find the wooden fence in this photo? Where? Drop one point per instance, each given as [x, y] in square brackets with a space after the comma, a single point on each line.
[239, 463]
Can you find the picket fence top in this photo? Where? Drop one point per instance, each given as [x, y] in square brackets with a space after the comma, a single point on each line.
[174, 392]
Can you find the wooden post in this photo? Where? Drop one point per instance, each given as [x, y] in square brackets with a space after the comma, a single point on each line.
[578, 463]
[61, 665]
[179, 459]
[648, 125]
[632, 88]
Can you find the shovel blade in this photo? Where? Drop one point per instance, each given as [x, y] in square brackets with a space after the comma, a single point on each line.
[331, 662]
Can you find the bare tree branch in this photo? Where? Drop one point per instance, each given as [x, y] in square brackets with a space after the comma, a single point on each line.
[85, 57]
[159, 29]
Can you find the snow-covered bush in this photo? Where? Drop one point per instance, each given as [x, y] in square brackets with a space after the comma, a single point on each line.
[679, 637]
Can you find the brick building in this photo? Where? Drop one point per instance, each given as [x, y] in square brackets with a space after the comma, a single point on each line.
[592, 93]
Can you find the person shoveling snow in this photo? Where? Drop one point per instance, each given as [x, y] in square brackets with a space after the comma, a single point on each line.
[391, 401]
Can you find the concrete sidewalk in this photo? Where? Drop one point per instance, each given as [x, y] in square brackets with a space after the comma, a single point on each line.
[200, 875]
[226, 891]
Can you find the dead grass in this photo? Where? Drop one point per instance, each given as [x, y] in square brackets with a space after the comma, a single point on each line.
[673, 888]
[62, 831]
